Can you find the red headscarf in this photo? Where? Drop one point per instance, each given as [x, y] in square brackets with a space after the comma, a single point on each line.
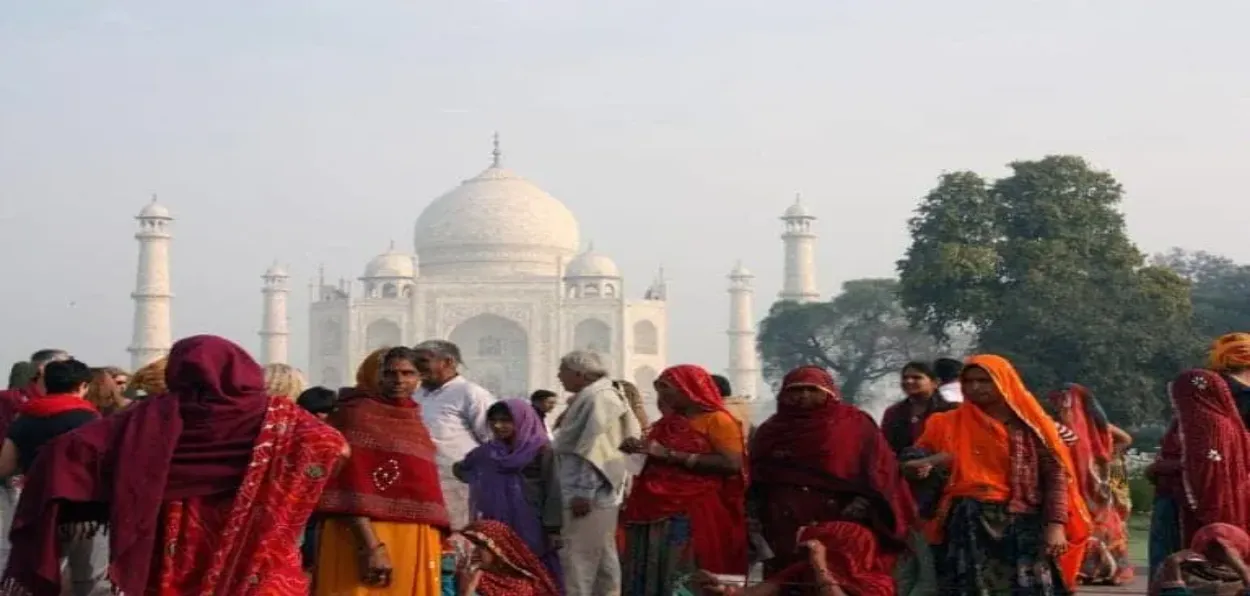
[1080, 412]
[715, 504]
[531, 577]
[1215, 450]
[1228, 535]
[835, 446]
[195, 440]
[851, 557]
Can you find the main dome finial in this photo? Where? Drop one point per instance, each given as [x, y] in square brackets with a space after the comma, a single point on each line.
[496, 155]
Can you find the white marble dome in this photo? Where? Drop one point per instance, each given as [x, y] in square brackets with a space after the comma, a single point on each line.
[797, 210]
[390, 264]
[592, 264]
[154, 210]
[495, 224]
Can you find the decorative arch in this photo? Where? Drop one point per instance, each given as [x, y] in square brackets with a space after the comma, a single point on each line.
[330, 377]
[390, 290]
[382, 332]
[646, 338]
[609, 291]
[590, 291]
[496, 354]
[331, 337]
[593, 335]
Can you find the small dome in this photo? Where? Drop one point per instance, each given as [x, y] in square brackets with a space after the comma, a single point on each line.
[592, 264]
[154, 210]
[740, 271]
[391, 263]
[797, 210]
[276, 270]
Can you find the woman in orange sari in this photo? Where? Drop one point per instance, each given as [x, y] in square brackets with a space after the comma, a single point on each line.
[1097, 445]
[202, 490]
[685, 510]
[1011, 519]
[385, 517]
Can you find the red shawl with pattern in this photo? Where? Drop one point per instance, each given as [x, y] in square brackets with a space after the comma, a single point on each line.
[195, 441]
[714, 503]
[852, 557]
[529, 577]
[391, 474]
[1215, 451]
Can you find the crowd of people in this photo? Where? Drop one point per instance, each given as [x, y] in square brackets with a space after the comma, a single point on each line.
[204, 473]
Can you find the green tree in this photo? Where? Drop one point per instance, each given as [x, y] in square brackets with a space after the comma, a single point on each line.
[861, 335]
[1220, 290]
[1039, 266]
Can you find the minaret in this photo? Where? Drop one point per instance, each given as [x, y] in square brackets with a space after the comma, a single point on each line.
[744, 365]
[800, 240]
[274, 333]
[152, 334]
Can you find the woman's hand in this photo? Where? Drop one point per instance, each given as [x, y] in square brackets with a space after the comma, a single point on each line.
[706, 583]
[1056, 540]
[918, 469]
[376, 567]
[815, 553]
[633, 445]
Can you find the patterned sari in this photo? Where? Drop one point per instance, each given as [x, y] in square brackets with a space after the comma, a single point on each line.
[1093, 456]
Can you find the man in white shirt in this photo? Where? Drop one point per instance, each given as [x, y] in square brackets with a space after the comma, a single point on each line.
[947, 371]
[454, 410]
[593, 472]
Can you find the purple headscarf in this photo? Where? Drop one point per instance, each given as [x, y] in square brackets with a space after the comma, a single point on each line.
[493, 472]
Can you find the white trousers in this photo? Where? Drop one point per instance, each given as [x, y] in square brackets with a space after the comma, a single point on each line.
[591, 564]
[8, 507]
[84, 571]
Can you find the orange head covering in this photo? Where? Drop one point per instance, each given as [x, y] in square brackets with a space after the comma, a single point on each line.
[369, 373]
[980, 471]
[1231, 351]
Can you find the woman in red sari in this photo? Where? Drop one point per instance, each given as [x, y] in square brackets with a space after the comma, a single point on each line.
[1097, 445]
[503, 564]
[685, 510]
[1215, 453]
[204, 489]
[840, 560]
[817, 460]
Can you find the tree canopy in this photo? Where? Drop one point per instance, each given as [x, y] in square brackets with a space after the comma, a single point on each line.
[861, 335]
[1039, 266]
[1219, 290]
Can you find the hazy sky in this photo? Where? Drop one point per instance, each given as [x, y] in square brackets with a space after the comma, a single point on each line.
[316, 131]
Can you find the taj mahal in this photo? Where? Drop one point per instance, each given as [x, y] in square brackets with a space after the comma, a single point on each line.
[498, 268]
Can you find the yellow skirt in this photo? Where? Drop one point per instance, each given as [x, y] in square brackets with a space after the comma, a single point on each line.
[416, 555]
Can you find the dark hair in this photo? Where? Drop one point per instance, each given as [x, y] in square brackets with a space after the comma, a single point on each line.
[723, 386]
[920, 367]
[400, 353]
[64, 376]
[21, 375]
[317, 400]
[47, 355]
[498, 409]
[542, 394]
[948, 369]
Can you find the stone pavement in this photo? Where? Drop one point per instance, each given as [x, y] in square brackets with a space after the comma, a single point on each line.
[1138, 586]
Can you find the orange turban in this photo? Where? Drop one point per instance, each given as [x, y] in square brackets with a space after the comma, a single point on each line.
[1230, 352]
[369, 373]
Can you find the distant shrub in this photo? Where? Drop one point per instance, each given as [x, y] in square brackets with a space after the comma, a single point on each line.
[1142, 494]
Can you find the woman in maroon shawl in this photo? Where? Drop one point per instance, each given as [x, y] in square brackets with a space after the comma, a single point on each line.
[818, 459]
[204, 489]
[1215, 453]
[685, 510]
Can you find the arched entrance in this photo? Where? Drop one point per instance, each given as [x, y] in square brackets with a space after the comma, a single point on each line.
[382, 333]
[496, 354]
